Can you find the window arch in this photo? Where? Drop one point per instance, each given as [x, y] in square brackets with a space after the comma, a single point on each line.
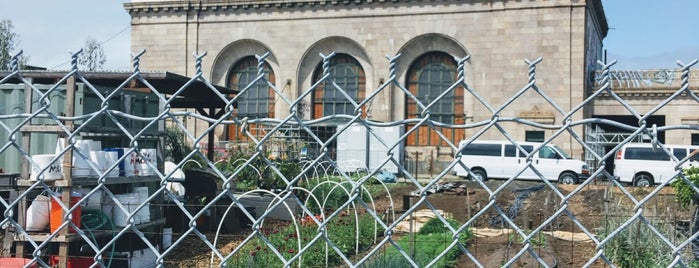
[257, 101]
[428, 77]
[348, 74]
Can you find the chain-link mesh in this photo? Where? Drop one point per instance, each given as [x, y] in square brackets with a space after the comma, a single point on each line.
[248, 207]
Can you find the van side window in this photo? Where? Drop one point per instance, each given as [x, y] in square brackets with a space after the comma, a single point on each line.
[680, 153]
[483, 149]
[510, 150]
[528, 148]
[646, 154]
[695, 157]
[547, 153]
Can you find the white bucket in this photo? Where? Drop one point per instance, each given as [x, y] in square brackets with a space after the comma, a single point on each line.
[129, 202]
[94, 201]
[81, 168]
[144, 213]
[95, 145]
[131, 164]
[110, 159]
[97, 157]
[149, 156]
[38, 214]
[54, 171]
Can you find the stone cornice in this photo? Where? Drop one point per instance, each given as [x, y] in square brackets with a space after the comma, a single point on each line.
[216, 5]
[653, 93]
[176, 6]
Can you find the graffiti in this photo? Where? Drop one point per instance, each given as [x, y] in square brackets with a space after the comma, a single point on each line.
[303, 108]
[638, 79]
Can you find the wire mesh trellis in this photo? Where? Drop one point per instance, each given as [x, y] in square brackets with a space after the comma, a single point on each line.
[328, 216]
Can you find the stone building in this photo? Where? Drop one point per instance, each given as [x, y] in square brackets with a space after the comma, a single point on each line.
[430, 36]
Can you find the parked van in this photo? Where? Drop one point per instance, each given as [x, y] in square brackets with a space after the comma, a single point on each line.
[501, 159]
[642, 165]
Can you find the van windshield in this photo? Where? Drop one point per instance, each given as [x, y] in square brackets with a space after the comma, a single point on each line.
[562, 152]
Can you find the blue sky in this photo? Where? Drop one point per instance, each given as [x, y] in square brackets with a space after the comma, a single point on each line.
[644, 34]
[651, 34]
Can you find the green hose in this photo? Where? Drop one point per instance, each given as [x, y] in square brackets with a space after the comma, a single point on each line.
[94, 219]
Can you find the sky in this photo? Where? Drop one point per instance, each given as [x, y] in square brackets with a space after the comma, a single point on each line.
[643, 34]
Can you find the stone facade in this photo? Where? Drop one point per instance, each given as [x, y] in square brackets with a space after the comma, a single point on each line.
[498, 35]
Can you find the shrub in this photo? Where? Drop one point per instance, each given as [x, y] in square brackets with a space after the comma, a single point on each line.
[683, 191]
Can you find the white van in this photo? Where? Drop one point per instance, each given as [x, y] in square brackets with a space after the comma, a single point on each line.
[501, 159]
[639, 164]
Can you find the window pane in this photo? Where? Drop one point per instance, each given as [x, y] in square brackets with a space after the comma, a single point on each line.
[482, 149]
[347, 74]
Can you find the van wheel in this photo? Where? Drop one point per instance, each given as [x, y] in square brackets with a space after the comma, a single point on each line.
[568, 178]
[643, 180]
[479, 173]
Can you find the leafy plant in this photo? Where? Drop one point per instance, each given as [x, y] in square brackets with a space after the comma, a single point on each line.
[329, 194]
[176, 145]
[423, 247]
[684, 192]
[636, 245]
[341, 230]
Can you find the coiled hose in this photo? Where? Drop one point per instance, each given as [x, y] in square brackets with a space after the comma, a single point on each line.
[94, 219]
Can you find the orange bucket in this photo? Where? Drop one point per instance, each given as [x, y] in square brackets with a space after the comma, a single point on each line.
[56, 217]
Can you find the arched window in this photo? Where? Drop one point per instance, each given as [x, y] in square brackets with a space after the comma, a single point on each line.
[428, 77]
[257, 101]
[346, 72]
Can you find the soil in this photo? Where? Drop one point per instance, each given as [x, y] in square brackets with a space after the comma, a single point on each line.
[592, 206]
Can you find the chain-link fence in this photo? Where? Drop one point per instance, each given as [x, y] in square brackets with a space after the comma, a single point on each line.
[131, 186]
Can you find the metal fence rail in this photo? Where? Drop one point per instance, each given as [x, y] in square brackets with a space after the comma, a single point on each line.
[294, 196]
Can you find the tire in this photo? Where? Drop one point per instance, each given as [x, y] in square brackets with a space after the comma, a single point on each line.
[643, 180]
[568, 178]
[479, 173]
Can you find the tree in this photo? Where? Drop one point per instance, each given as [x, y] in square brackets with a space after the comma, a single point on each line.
[8, 42]
[93, 57]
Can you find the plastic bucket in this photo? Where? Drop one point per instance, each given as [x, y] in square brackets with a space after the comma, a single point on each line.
[131, 164]
[16, 263]
[38, 213]
[73, 262]
[93, 201]
[54, 171]
[144, 213]
[81, 168]
[120, 153]
[111, 158]
[56, 217]
[149, 156]
[130, 202]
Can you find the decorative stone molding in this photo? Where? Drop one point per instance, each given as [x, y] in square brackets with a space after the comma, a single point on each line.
[539, 116]
[690, 120]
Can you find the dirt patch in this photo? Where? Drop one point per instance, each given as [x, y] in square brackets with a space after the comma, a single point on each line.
[562, 215]
[566, 210]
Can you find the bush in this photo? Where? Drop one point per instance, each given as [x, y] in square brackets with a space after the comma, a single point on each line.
[683, 191]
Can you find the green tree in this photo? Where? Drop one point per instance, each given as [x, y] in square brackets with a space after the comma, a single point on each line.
[8, 42]
[93, 57]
